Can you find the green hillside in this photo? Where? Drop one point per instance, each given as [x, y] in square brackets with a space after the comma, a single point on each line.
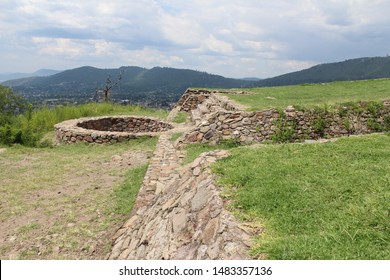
[157, 87]
[348, 70]
[310, 95]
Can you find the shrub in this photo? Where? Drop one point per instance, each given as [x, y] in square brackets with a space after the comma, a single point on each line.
[387, 123]
[319, 125]
[373, 125]
[375, 108]
[286, 129]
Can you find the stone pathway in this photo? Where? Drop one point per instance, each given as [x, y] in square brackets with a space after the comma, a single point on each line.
[179, 213]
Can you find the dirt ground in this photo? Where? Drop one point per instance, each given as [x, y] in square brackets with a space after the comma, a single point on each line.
[57, 203]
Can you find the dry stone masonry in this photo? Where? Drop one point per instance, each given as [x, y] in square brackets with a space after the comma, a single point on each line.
[217, 118]
[108, 129]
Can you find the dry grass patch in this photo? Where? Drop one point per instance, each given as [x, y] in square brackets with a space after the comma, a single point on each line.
[63, 202]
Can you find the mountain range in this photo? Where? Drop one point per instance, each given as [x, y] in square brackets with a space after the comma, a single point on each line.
[162, 86]
[151, 87]
[364, 68]
[40, 73]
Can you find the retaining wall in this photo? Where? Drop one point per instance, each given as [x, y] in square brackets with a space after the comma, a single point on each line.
[217, 118]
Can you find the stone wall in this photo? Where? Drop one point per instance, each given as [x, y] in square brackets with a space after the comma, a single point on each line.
[192, 98]
[290, 125]
[111, 129]
[125, 124]
[217, 118]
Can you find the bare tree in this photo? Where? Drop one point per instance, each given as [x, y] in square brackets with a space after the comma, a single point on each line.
[106, 91]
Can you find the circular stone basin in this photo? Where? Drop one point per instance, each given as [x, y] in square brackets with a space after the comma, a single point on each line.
[111, 129]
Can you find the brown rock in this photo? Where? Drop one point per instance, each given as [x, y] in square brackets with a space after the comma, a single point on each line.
[199, 137]
[192, 136]
[210, 231]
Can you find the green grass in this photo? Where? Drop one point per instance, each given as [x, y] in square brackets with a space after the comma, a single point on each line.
[46, 118]
[315, 201]
[176, 136]
[312, 95]
[194, 150]
[30, 127]
[126, 193]
[181, 117]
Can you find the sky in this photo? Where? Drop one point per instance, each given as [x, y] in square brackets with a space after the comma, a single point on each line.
[232, 38]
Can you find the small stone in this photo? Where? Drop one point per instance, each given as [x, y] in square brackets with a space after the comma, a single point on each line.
[199, 137]
[159, 188]
[201, 252]
[290, 109]
[133, 244]
[131, 221]
[221, 118]
[12, 238]
[214, 250]
[200, 199]
[204, 129]
[179, 221]
[210, 231]
[192, 136]
[116, 250]
[119, 233]
[208, 135]
[196, 171]
[196, 162]
[170, 204]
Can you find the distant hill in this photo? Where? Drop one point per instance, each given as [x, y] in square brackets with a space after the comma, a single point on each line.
[349, 70]
[162, 86]
[39, 73]
[156, 87]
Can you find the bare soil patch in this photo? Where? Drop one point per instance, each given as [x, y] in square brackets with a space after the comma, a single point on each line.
[57, 203]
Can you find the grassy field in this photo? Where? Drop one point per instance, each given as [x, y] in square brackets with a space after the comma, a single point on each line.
[66, 202]
[311, 95]
[315, 201]
[29, 128]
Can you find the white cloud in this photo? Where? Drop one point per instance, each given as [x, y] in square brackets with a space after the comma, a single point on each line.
[216, 46]
[262, 38]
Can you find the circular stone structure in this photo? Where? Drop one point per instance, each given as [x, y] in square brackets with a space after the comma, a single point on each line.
[110, 129]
